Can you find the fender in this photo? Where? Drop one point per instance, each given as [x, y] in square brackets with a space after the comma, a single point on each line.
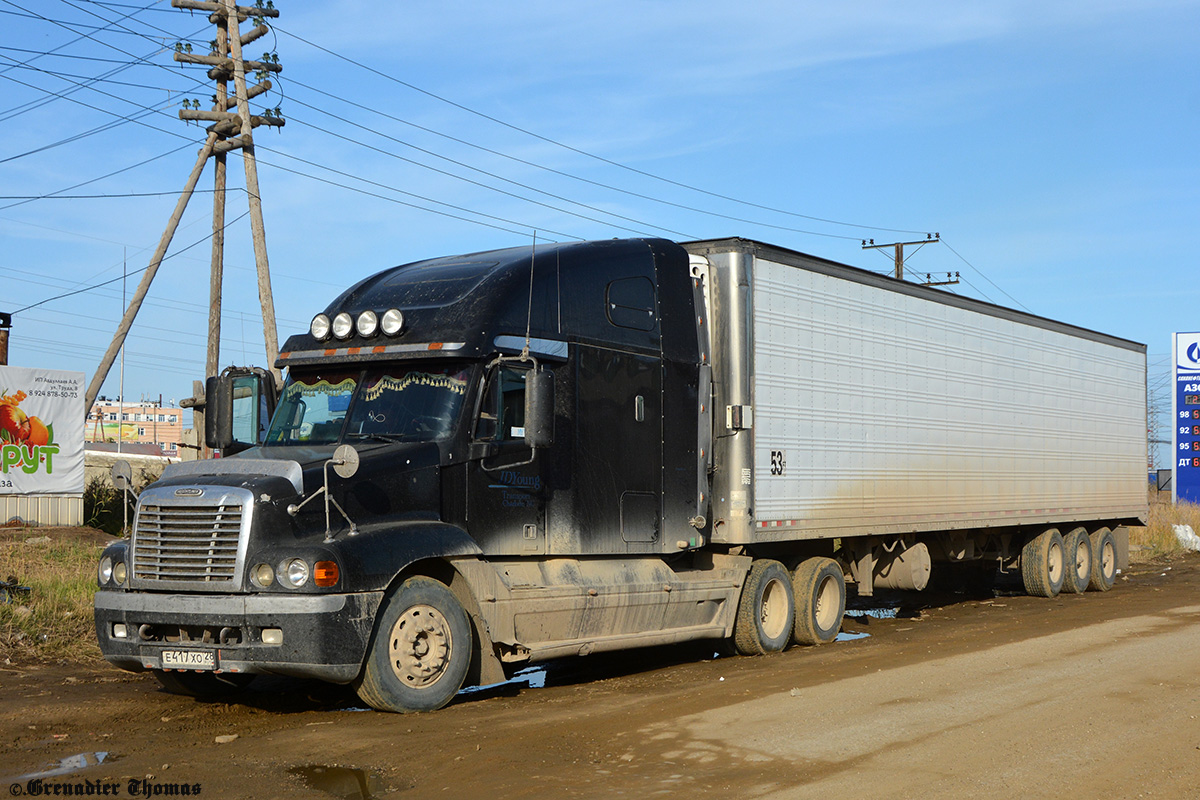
[372, 558]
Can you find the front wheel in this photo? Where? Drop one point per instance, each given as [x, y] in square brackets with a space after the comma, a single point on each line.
[419, 654]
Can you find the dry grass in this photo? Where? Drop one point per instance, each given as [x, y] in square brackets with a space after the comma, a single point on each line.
[53, 620]
[1158, 537]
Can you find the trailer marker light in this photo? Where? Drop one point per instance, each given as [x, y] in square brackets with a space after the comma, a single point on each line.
[368, 324]
[393, 321]
[319, 328]
[325, 573]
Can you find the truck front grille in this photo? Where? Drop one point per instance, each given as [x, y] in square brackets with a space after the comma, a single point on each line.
[176, 543]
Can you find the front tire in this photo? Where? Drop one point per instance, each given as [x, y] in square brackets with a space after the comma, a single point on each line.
[1043, 564]
[1077, 550]
[820, 590]
[766, 610]
[420, 651]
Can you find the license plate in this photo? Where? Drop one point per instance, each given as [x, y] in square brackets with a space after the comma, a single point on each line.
[189, 659]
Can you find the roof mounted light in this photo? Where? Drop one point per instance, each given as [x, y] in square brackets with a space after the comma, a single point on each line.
[368, 324]
[343, 325]
[393, 321]
[319, 327]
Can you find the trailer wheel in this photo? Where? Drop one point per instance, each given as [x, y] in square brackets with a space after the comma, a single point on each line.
[820, 590]
[203, 685]
[766, 610]
[1043, 564]
[1104, 560]
[420, 651]
[1077, 550]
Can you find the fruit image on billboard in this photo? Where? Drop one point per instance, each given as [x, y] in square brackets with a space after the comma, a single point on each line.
[41, 431]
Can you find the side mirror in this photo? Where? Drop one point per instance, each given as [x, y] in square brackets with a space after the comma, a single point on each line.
[238, 405]
[539, 408]
[218, 412]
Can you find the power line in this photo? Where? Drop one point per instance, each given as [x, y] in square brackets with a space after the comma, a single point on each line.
[526, 229]
[585, 153]
[985, 277]
[102, 177]
[206, 238]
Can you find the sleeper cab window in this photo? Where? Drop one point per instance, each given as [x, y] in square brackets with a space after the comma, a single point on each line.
[630, 304]
[502, 411]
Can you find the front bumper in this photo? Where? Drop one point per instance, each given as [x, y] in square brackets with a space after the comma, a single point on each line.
[323, 636]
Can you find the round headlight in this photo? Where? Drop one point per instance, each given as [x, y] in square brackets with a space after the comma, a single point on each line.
[319, 327]
[342, 325]
[368, 324]
[119, 573]
[105, 571]
[262, 575]
[393, 321]
[295, 572]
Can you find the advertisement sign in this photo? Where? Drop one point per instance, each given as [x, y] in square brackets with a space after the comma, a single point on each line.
[41, 431]
[1185, 407]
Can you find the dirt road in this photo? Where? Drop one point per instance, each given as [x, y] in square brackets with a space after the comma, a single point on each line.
[1088, 696]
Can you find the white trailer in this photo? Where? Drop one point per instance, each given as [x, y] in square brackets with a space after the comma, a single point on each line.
[877, 412]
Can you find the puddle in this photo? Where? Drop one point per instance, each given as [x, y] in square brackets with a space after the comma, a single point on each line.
[71, 764]
[850, 637]
[349, 784]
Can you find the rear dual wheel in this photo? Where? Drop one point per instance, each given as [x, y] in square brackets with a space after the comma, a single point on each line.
[1077, 550]
[819, 587]
[1043, 564]
[1104, 560]
[765, 611]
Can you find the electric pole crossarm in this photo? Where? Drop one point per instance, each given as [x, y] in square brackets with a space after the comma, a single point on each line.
[224, 65]
[144, 286]
[243, 12]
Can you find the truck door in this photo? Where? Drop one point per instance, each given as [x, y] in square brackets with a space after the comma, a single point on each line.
[506, 484]
[618, 451]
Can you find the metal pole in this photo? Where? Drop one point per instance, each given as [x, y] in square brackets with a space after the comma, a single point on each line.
[139, 295]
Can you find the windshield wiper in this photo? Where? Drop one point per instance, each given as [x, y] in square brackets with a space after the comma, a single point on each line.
[382, 437]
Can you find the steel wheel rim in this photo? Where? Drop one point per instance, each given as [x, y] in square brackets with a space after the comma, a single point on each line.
[1054, 563]
[773, 613]
[1108, 560]
[825, 608]
[1083, 563]
[420, 646]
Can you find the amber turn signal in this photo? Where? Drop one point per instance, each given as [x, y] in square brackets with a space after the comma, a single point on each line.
[326, 573]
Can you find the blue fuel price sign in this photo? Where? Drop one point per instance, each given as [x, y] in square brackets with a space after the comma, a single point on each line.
[1185, 408]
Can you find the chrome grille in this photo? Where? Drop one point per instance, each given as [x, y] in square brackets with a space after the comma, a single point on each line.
[187, 542]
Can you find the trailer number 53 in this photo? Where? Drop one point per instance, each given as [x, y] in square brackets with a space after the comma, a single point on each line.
[777, 462]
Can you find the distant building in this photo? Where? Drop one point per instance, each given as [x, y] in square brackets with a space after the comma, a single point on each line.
[136, 423]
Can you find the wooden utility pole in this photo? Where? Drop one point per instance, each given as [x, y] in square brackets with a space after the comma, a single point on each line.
[869, 244]
[225, 62]
[5, 324]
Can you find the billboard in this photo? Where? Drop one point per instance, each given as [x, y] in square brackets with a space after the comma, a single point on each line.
[1185, 407]
[41, 431]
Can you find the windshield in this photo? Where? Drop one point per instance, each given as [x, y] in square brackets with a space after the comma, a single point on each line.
[397, 403]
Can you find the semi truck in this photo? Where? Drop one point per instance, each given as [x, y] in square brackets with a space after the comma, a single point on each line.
[481, 462]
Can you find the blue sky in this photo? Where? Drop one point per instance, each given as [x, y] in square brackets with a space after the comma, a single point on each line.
[1053, 145]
